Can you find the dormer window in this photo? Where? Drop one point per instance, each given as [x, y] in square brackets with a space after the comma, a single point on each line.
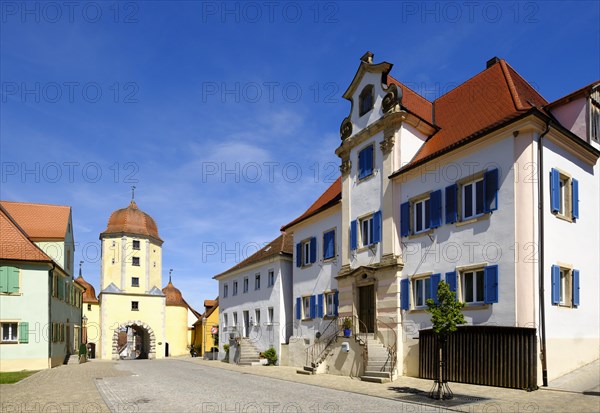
[595, 118]
[365, 100]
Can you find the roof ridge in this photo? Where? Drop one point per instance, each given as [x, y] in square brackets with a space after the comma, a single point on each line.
[509, 68]
[464, 82]
[411, 89]
[511, 86]
[35, 203]
[24, 234]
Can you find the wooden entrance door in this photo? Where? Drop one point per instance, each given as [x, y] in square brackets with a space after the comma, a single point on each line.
[366, 308]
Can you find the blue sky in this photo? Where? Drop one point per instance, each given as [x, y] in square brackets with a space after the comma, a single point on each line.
[225, 116]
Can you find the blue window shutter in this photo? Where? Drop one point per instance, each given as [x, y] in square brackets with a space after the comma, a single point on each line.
[451, 280]
[405, 219]
[555, 277]
[313, 306]
[329, 245]
[451, 204]
[23, 332]
[554, 190]
[575, 198]
[361, 164]
[320, 306]
[575, 288]
[377, 227]
[336, 303]
[490, 190]
[353, 235]
[298, 308]
[435, 203]
[435, 282]
[490, 284]
[313, 249]
[4, 279]
[298, 255]
[369, 160]
[404, 287]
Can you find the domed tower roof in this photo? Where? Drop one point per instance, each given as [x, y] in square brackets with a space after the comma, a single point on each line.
[89, 295]
[173, 296]
[132, 221]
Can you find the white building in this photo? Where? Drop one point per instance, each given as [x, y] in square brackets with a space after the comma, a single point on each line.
[255, 301]
[317, 238]
[450, 190]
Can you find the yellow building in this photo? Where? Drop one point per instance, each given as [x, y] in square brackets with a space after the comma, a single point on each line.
[134, 318]
[206, 329]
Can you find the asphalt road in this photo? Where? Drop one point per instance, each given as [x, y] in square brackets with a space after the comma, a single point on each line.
[175, 386]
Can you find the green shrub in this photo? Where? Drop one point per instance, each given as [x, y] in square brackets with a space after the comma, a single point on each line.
[82, 349]
[271, 356]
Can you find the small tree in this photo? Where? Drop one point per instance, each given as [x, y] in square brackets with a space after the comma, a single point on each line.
[446, 315]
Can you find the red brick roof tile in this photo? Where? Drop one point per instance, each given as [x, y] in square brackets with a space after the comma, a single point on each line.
[40, 221]
[14, 243]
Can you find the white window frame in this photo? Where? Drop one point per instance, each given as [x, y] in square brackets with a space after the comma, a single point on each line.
[257, 317]
[306, 252]
[225, 320]
[329, 306]
[271, 278]
[463, 186]
[420, 297]
[246, 285]
[225, 290]
[565, 192]
[422, 205]
[257, 281]
[306, 307]
[464, 274]
[270, 315]
[368, 220]
[566, 287]
[235, 319]
[235, 288]
[10, 331]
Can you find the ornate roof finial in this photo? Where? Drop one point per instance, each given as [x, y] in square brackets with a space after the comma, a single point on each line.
[132, 192]
[80, 264]
[170, 271]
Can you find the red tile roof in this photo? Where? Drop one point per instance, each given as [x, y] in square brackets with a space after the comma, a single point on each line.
[488, 99]
[329, 198]
[414, 102]
[89, 295]
[40, 221]
[282, 245]
[14, 243]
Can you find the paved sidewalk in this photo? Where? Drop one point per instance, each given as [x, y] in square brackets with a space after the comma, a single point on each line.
[584, 380]
[468, 398]
[69, 388]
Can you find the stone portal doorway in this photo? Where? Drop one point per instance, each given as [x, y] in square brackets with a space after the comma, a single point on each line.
[133, 340]
[366, 308]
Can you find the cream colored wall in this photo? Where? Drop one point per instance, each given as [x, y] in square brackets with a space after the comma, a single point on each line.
[116, 310]
[177, 330]
[93, 324]
[202, 335]
[568, 354]
[121, 271]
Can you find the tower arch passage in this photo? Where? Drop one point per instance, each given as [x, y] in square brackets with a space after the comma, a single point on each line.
[142, 346]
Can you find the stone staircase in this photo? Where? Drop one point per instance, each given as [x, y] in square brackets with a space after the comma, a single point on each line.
[379, 366]
[248, 353]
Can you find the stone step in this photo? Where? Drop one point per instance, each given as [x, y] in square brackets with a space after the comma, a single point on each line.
[372, 373]
[374, 379]
[303, 372]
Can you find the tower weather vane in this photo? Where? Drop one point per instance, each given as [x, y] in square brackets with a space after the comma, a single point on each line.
[170, 271]
[132, 192]
[80, 264]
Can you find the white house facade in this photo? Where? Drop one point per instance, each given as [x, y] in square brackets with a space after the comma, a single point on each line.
[255, 301]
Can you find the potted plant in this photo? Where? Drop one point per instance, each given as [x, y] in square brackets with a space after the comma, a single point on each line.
[82, 353]
[271, 356]
[347, 326]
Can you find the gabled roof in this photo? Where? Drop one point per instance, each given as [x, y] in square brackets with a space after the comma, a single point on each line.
[282, 245]
[329, 198]
[488, 99]
[414, 102]
[40, 221]
[584, 91]
[208, 313]
[14, 243]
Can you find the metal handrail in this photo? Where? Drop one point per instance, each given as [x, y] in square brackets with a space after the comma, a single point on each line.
[358, 335]
[392, 348]
[319, 349]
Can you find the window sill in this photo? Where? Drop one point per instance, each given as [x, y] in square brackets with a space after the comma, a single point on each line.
[329, 317]
[9, 342]
[563, 217]
[307, 319]
[366, 247]
[330, 259]
[12, 294]
[477, 306]
[365, 178]
[422, 233]
[473, 220]
[565, 306]
[419, 310]
[306, 265]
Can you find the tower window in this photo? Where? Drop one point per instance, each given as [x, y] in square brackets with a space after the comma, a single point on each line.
[135, 306]
[135, 281]
[135, 261]
[136, 244]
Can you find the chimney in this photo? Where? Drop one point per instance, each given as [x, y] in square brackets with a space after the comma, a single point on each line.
[492, 62]
[367, 58]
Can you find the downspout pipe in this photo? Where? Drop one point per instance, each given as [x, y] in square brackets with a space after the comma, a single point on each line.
[542, 308]
[49, 325]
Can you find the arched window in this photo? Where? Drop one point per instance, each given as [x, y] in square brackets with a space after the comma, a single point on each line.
[365, 101]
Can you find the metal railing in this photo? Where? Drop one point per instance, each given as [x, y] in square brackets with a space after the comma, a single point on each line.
[316, 353]
[392, 342]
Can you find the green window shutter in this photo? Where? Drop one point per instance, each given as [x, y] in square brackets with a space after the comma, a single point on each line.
[3, 279]
[23, 332]
[13, 280]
